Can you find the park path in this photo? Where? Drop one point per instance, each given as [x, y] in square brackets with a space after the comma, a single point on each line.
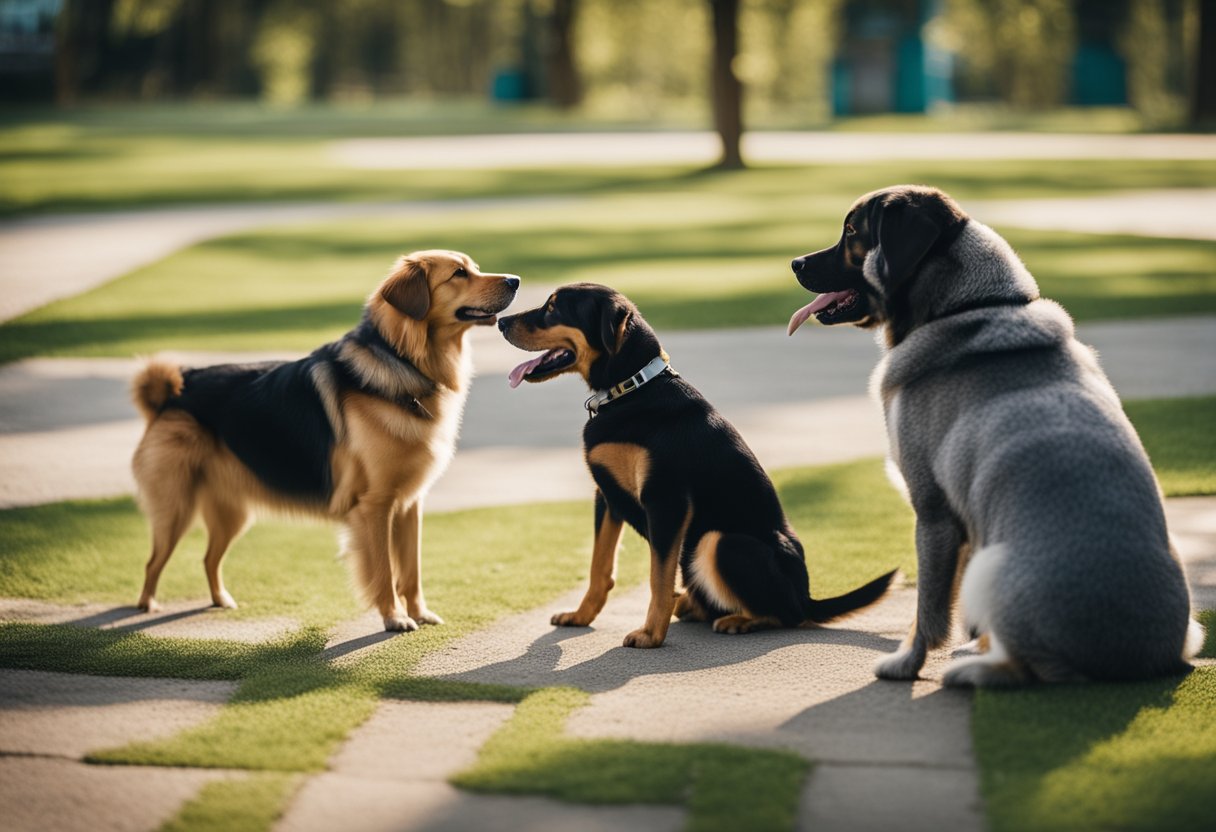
[891, 756]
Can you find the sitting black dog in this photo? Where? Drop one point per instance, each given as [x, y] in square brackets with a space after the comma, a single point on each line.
[665, 462]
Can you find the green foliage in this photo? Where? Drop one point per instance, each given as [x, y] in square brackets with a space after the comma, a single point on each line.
[1120, 756]
[1020, 49]
[724, 787]
[1178, 435]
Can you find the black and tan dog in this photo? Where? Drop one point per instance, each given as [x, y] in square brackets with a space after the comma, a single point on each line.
[665, 462]
[355, 432]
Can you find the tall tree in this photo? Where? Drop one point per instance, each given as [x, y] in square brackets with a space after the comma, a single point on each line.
[727, 90]
[82, 36]
[565, 84]
[1203, 101]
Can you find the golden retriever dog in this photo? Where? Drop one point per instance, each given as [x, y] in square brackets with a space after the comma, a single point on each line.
[355, 432]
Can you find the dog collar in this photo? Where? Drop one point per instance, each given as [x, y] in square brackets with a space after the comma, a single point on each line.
[657, 366]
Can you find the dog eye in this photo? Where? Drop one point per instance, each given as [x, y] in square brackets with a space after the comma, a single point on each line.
[460, 272]
[849, 230]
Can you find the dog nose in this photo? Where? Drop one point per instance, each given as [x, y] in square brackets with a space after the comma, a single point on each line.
[503, 323]
[797, 263]
[512, 281]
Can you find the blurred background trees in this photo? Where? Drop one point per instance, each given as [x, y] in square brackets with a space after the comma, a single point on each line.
[801, 62]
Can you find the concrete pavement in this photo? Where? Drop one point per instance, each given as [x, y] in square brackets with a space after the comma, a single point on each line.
[67, 427]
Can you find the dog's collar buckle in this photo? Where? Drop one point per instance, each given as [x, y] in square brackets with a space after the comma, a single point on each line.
[653, 370]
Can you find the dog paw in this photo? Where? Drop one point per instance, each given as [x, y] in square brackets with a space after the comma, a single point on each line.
[642, 639]
[224, 601]
[983, 672]
[972, 648]
[570, 619]
[900, 666]
[427, 617]
[732, 624]
[148, 605]
[398, 623]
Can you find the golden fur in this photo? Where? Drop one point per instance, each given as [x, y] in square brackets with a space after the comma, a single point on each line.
[384, 458]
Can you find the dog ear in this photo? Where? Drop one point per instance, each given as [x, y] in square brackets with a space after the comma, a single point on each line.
[407, 290]
[614, 320]
[905, 235]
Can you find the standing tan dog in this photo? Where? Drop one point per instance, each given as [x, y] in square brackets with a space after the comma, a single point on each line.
[355, 432]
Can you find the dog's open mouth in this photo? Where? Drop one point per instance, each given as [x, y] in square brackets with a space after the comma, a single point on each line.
[475, 315]
[542, 365]
[827, 308]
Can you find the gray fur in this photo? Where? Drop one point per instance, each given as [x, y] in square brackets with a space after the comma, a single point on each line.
[1009, 435]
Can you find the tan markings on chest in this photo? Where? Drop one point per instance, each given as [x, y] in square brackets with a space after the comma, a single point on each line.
[627, 463]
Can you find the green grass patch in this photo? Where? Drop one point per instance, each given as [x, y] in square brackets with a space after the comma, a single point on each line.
[695, 251]
[1130, 757]
[116, 157]
[248, 804]
[1180, 437]
[723, 787]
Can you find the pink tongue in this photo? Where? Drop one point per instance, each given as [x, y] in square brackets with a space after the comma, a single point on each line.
[818, 304]
[517, 375]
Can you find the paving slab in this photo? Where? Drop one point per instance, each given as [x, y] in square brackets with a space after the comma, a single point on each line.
[180, 619]
[41, 795]
[70, 715]
[390, 776]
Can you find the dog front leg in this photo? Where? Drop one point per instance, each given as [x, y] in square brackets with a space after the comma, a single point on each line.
[407, 549]
[603, 568]
[374, 526]
[939, 537]
[667, 523]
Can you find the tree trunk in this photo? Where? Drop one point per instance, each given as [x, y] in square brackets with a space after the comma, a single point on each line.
[1203, 101]
[565, 85]
[81, 33]
[727, 91]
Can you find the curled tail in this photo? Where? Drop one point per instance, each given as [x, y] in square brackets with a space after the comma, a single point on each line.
[830, 609]
[154, 385]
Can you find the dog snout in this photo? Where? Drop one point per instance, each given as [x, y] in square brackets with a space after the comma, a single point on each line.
[512, 281]
[798, 264]
[505, 323]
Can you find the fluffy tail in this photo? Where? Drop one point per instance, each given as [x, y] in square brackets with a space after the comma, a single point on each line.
[154, 385]
[830, 609]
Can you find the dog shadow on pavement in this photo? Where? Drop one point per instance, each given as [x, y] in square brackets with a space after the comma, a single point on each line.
[593, 659]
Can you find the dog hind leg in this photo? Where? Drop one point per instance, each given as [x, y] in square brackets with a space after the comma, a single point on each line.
[225, 522]
[169, 520]
[742, 575]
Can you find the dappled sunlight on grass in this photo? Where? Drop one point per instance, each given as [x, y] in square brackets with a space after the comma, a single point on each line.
[1118, 756]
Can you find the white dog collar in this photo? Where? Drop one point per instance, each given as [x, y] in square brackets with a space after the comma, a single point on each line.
[657, 366]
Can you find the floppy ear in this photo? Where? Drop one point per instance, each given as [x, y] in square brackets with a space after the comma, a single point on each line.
[407, 290]
[905, 235]
[613, 320]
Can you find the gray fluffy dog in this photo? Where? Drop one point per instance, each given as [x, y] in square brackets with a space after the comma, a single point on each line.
[1023, 470]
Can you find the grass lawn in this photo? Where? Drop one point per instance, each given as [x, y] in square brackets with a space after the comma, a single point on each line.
[114, 156]
[696, 251]
[1179, 437]
[1138, 752]
[292, 709]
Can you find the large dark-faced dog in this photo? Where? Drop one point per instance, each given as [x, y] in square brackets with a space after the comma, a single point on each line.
[665, 462]
[355, 432]
[1012, 446]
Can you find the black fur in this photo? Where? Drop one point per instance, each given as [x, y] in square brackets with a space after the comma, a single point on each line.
[697, 460]
[271, 414]
[908, 225]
